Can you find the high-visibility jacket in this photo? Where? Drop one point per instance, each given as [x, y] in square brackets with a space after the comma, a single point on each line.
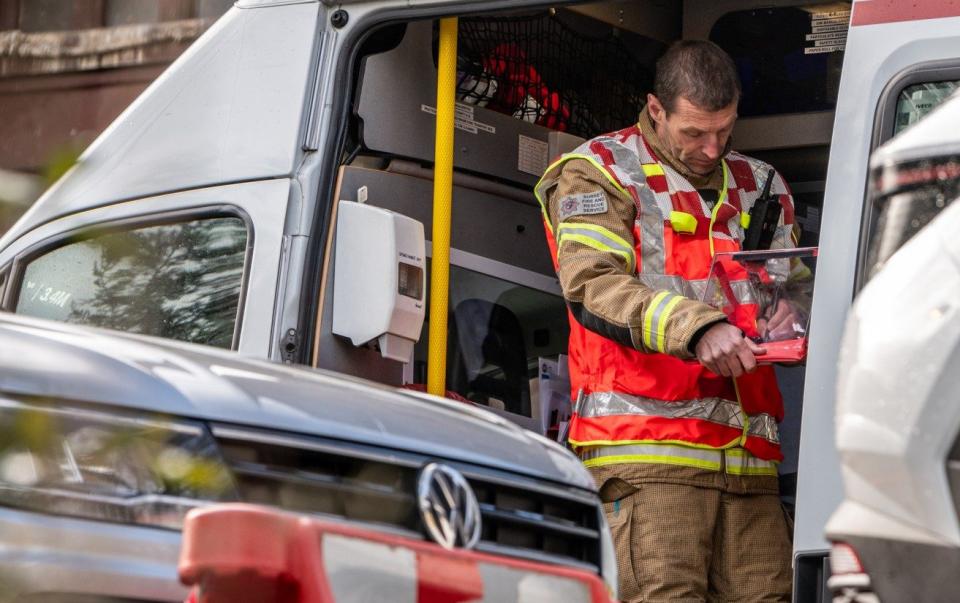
[637, 397]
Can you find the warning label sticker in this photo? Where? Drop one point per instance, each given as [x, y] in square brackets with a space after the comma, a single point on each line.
[532, 156]
[463, 119]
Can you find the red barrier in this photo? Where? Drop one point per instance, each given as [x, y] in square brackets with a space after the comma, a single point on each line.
[238, 552]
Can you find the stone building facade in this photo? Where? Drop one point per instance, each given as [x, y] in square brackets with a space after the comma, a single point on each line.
[68, 68]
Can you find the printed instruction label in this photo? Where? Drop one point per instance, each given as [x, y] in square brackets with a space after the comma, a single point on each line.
[828, 28]
[835, 35]
[463, 119]
[839, 27]
[532, 156]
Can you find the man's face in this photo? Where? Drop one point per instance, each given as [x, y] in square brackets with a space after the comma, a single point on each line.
[695, 136]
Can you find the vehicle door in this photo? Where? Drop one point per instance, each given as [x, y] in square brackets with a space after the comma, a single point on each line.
[900, 60]
[181, 218]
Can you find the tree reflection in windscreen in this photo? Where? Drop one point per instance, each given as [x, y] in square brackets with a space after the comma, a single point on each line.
[180, 281]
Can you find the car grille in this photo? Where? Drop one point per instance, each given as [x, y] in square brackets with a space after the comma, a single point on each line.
[522, 517]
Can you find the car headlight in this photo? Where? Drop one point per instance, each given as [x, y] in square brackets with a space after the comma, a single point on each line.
[608, 560]
[108, 466]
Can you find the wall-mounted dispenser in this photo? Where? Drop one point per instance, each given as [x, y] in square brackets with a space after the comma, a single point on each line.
[379, 279]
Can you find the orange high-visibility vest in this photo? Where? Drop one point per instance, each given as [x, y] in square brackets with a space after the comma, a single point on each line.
[631, 397]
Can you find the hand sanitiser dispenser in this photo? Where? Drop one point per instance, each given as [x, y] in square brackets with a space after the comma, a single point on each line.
[379, 279]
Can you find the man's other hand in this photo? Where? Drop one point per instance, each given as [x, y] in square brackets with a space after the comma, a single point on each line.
[784, 323]
[724, 350]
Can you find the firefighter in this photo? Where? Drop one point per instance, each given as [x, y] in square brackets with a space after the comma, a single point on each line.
[673, 415]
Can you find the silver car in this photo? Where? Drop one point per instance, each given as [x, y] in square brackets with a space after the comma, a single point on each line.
[107, 440]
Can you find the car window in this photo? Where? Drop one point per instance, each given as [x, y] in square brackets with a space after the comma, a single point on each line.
[497, 331]
[933, 185]
[919, 99]
[180, 281]
[891, 217]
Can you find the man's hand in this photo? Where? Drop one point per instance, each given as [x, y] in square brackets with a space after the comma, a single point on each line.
[724, 350]
[783, 323]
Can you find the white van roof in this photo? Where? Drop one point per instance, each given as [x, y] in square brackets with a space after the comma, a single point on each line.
[937, 134]
[229, 109]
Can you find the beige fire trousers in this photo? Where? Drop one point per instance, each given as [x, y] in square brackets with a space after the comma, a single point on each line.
[727, 540]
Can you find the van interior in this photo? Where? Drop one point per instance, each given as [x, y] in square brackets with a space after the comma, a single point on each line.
[530, 86]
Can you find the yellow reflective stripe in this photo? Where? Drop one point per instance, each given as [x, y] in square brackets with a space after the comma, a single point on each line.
[591, 242]
[655, 319]
[746, 417]
[753, 471]
[578, 443]
[600, 229]
[648, 334]
[736, 461]
[568, 157]
[744, 220]
[741, 462]
[652, 169]
[598, 238]
[662, 331]
[683, 222]
[651, 458]
[720, 201]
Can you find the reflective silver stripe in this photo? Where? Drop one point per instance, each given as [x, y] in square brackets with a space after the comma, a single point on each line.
[676, 284]
[744, 292]
[650, 221]
[695, 289]
[764, 426]
[715, 410]
[783, 237]
[715, 295]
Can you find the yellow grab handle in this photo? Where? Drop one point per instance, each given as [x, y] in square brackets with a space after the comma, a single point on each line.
[442, 203]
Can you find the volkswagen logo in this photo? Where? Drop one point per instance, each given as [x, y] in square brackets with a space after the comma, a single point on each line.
[448, 507]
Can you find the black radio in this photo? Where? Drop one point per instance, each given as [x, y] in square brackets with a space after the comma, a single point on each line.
[764, 217]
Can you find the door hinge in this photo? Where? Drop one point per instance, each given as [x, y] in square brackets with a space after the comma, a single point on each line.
[289, 346]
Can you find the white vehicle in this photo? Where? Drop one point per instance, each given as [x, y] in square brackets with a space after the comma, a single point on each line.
[896, 535]
[285, 112]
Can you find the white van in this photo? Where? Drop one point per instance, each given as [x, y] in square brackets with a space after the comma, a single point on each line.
[896, 536]
[207, 211]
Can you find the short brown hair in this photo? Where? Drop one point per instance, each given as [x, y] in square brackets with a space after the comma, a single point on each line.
[699, 71]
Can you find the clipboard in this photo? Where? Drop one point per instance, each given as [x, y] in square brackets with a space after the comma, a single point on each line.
[767, 294]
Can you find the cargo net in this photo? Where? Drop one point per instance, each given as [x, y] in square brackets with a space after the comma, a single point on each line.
[540, 70]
